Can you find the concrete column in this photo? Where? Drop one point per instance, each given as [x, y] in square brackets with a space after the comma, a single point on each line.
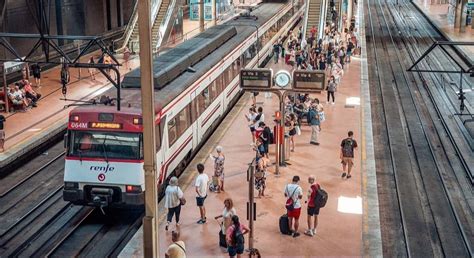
[462, 27]
[201, 15]
[214, 12]
[458, 14]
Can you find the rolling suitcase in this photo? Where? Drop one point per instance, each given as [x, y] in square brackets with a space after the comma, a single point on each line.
[284, 225]
[222, 241]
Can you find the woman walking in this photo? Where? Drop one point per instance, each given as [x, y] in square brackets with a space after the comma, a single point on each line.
[219, 168]
[174, 198]
[235, 237]
[331, 88]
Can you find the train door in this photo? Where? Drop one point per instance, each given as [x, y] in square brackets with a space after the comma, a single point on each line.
[195, 120]
[160, 147]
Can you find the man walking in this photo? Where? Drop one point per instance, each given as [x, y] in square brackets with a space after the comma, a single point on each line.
[201, 184]
[313, 118]
[313, 210]
[347, 154]
[294, 192]
[276, 51]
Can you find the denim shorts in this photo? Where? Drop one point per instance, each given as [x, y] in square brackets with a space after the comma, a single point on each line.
[200, 201]
[234, 250]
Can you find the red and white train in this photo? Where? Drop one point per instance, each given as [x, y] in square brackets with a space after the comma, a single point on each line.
[104, 160]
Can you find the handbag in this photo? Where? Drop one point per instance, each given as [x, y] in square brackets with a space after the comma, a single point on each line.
[182, 200]
[290, 203]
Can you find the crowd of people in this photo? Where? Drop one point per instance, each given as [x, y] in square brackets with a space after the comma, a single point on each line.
[22, 95]
[330, 54]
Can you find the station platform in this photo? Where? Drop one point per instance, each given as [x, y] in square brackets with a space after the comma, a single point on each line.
[438, 15]
[348, 225]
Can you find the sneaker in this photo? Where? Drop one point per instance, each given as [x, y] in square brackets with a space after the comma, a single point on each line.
[316, 143]
[314, 231]
[199, 221]
[333, 103]
[348, 176]
[166, 227]
[296, 234]
[343, 175]
[309, 233]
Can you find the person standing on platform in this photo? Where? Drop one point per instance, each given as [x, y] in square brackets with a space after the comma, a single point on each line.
[91, 70]
[347, 154]
[174, 198]
[227, 214]
[235, 237]
[250, 118]
[294, 193]
[313, 210]
[331, 89]
[36, 70]
[2, 133]
[314, 121]
[201, 184]
[276, 51]
[219, 168]
[177, 249]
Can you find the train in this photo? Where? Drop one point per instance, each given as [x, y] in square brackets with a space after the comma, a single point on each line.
[196, 84]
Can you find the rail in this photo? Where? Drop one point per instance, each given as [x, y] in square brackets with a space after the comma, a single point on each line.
[172, 8]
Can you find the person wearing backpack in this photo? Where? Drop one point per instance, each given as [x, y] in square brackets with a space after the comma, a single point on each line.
[313, 209]
[347, 154]
[235, 237]
[294, 193]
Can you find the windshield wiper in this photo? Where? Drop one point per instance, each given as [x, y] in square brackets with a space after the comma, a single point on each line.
[105, 151]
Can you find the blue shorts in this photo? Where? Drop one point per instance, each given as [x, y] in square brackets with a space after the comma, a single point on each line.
[234, 250]
[200, 201]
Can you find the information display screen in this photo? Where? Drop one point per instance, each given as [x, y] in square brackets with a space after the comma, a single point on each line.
[255, 78]
[309, 80]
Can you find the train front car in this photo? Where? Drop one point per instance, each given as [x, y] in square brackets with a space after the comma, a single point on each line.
[104, 157]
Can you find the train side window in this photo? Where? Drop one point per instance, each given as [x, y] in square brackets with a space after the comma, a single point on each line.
[204, 100]
[157, 137]
[213, 89]
[194, 110]
[183, 120]
[172, 131]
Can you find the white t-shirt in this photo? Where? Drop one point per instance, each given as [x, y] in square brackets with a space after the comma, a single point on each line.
[202, 181]
[289, 189]
[261, 119]
[172, 196]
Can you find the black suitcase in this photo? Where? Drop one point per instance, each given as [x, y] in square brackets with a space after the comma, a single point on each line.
[284, 224]
[222, 241]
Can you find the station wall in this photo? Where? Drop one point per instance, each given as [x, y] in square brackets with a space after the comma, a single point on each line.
[66, 17]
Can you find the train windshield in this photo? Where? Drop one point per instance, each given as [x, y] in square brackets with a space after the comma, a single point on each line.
[106, 145]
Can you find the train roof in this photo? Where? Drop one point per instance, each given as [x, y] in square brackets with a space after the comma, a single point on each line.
[109, 109]
[244, 28]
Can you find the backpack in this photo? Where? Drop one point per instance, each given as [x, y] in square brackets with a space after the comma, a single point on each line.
[238, 237]
[321, 198]
[290, 203]
[347, 150]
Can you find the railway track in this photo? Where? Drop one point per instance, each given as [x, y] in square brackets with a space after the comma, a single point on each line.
[36, 221]
[416, 165]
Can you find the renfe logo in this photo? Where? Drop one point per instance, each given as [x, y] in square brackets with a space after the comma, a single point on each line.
[104, 169]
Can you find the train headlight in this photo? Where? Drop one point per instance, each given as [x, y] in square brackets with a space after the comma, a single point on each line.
[71, 185]
[133, 189]
[137, 121]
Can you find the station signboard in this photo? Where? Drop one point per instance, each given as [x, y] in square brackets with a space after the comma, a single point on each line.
[309, 80]
[258, 78]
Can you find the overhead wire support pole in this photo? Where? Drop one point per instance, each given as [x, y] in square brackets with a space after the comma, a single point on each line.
[150, 235]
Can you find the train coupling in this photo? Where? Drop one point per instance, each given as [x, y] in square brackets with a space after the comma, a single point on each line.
[102, 197]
